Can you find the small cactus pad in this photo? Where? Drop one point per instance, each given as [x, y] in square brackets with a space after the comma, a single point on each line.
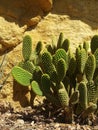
[49, 48]
[74, 97]
[38, 47]
[96, 57]
[92, 89]
[86, 46]
[36, 88]
[21, 76]
[48, 67]
[94, 43]
[90, 67]
[72, 66]
[61, 69]
[45, 81]
[60, 53]
[81, 60]
[63, 97]
[83, 95]
[27, 65]
[60, 40]
[27, 47]
[66, 44]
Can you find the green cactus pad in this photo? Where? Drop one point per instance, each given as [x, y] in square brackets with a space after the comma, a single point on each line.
[21, 76]
[47, 64]
[60, 53]
[45, 81]
[81, 60]
[96, 57]
[83, 95]
[49, 48]
[63, 95]
[86, 46]
[37, 74]
[72, 66]
[36, 88]
[94, 43]
[77, 53]
[92, 89]
[60, 40]
[38, 47]
[61, 69]
[66, 44]
[27, 65]
[90, 67]
[27, 47]
[74, 97]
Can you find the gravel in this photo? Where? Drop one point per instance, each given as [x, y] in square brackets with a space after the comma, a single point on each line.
[36, 118]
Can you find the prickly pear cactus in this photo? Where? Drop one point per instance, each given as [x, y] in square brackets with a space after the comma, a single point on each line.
[74, 98]
[47, 64]
[63, 96]
[61, 69]
[66, 44]
[68, 80]
[83, 99]
[27, 47]
[60, 40]
[72, 66]
[27, 65]
[94, 43]
[60, 53]
[90, 67]
[96, 57]
[86, 46]
[38, 48]
[36, 88]
[21, 76]
[92, 92]
[81, 60]
[46, 84]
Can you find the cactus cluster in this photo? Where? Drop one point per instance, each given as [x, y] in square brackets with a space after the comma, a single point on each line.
[67, 80]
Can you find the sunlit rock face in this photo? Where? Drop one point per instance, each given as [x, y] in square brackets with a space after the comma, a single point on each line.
[16, 16]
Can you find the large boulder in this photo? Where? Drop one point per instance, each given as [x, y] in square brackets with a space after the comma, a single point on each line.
[16, 16]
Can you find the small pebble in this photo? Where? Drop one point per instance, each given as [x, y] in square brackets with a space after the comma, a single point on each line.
[20, 122]
[32, 123]
[56, 125]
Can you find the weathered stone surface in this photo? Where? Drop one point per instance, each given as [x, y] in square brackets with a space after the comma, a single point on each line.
[85, 9]
[10, 34]
[24, 10]
[46, 5]
[15, 14]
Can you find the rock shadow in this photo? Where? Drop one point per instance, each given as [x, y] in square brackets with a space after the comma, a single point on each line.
[21, 12]
[85, 10]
